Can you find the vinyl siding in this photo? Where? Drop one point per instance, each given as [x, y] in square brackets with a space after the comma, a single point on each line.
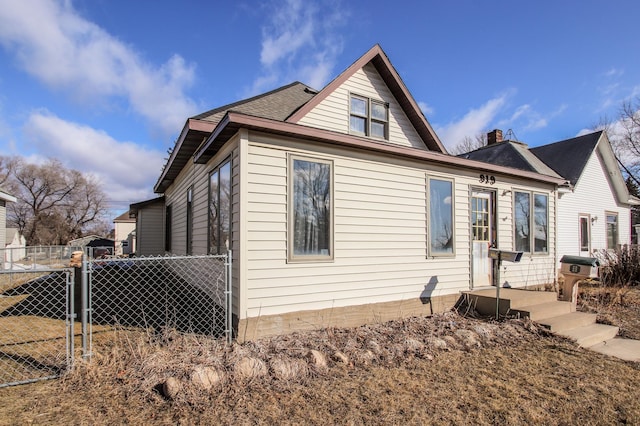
[380, 232]
[592, 196]
[150, 230]
[333, 112]
[3, 224]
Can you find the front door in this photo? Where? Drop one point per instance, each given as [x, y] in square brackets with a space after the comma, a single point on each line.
[482, 235]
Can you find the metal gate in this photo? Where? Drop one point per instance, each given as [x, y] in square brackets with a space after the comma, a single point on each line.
[188, 294]
[36, 324]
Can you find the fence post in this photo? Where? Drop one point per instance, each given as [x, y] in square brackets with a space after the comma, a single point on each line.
[84, 302]
[229, 294]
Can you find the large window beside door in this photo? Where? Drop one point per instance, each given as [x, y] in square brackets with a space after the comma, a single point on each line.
[310, 209]
[220, 208]
[612, 230]
[441, 235]
[531, 220]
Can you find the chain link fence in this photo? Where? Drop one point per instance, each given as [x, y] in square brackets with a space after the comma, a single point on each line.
[41, 305]
[35, 327]
[35, 257]
[189, 294]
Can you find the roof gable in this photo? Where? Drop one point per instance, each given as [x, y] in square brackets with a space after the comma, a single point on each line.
[389, 76]
[578, 150]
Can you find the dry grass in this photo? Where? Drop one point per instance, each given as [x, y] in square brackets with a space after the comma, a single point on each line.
[616, 305]
[444, 370]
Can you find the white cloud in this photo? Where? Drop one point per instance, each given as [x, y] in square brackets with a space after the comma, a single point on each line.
[474, 122]
[126, 170]
[426, 108]
[56, 45]
[613, 72]
[301, 42]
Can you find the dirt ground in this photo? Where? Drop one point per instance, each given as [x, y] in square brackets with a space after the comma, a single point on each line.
[444, 369]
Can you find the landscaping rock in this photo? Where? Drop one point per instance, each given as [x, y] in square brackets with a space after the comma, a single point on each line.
[317, 359]
[250, 368]
[206, 377]
[171, 388]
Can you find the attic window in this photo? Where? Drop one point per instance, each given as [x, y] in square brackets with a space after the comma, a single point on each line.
[368, 117]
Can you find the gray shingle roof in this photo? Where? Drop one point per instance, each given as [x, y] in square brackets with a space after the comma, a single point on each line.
[569, 157]
[510, 154]
[277, 104]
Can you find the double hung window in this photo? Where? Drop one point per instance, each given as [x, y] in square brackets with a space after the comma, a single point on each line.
[368, 117]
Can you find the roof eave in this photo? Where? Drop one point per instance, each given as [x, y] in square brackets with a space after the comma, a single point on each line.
[6, 197]
[233, 121]
[190, 138]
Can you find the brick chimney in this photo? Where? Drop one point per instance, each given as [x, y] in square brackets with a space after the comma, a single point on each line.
[494, 137]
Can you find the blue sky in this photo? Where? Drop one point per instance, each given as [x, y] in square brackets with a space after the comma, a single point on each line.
[105, 86]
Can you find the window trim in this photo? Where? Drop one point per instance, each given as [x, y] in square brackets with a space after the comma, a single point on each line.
[369, 117]
[291, 257]
[217, 169]
[608, 213]
[430, 251]
[532, 239]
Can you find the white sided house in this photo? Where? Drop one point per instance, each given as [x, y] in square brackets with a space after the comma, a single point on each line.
[594, 205]
[595, 213]
[342, 206]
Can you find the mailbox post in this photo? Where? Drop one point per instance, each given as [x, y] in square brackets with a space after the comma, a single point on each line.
[574, 269]
[498, 256]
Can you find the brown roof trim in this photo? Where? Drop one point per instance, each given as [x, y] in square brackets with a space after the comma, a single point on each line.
[233, 121]
[176, 160]
[133, 208]
[399, 90]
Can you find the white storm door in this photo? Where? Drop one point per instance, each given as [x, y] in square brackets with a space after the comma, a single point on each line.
[481, 238]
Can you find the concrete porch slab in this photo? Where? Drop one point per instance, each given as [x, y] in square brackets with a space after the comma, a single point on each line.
[626, 349]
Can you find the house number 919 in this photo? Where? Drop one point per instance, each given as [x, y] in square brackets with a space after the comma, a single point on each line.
[490, 179]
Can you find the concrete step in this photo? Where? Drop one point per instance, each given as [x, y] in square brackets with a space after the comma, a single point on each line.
[563, 323]
[484, 301]
[543, 311]
[592, 334]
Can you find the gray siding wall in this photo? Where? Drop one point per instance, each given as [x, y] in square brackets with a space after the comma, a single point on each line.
[150, 230]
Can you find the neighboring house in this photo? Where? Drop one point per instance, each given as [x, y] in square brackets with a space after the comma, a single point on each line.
[125, 235]
[151, 219]
[342, 206]
[593, 206]
[16, 246]
[100, 244]
[4, 199]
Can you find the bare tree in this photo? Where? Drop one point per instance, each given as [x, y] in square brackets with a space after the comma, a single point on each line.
[469, 144]
[54, 204]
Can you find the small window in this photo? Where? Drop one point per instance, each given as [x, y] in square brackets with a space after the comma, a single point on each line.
[368, 117]
[612, 231]
[525, 228]
[167, 229]
[190, 220]
[584, 233]
[441, 241]
[220, 208]
[310, 209]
